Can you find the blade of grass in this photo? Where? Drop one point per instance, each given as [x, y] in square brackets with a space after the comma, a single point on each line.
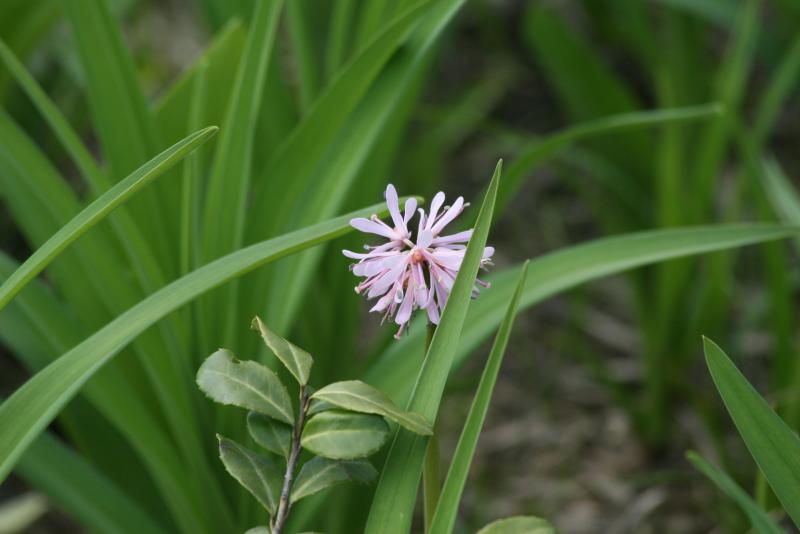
[113, 395]
[445, 517]
[759, 519]
[546, 147]
[393, 504]
[98, 209]
[220, 59]
[28, 411]
[300, 35]
[559, 271]
[120, 114]
[229, 182]
[773, 445]
[82, 491]
[338, 36]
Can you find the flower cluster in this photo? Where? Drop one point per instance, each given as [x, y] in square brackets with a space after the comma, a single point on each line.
[409, 271]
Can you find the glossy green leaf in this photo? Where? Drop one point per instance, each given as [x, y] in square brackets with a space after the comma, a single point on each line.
[271, 434]
[320, 473]
[98, 209]
[773, 445]
[518, 525]
[245, 384]
[761, 522]
[28, 411]
[395, 495]
[444, 518]
[296, 360]
[261, 475]
[357, 396]
[343, 435]
[559, 271]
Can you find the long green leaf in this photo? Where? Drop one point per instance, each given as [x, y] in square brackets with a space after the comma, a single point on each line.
[395, 495]
[445, 516]
[82, 491]
[773, 445]
[783, 196]
[551, 144]
[120, 114]
[556, 272]
[759, 519]
[229, 182]
[28, 411]
[98, 209]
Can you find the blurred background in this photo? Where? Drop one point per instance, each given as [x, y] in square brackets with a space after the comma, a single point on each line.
[603, 389]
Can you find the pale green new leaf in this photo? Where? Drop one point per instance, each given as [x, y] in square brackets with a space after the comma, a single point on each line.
[759, 519]
[271, 434]
[774, 446]
[98, 209]
[31, 408]
[320, 473]
[245, 384]
[518, 525]
[445, 516]
[296, 360]
[357, 396]
[343, 435]
[395, 495]
[261, 475]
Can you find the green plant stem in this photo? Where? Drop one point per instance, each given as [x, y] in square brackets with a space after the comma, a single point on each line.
[431, 474]
[284, 506]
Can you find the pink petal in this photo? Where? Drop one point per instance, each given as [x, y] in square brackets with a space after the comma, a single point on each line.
[424, 239]
[449, 215]
[453, 238]
[404, 313]
[411, 206]
[436, 203]
[371, 227]
[394, 206]
[390, 277]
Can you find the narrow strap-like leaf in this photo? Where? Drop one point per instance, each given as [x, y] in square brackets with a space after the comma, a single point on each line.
[774, 446]
[759, 519]
[445, 517]
[98, 209]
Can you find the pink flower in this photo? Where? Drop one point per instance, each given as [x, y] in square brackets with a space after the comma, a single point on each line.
[407, 272]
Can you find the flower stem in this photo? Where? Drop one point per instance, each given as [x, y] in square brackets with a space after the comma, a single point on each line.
[284, 506]
[431, 474]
